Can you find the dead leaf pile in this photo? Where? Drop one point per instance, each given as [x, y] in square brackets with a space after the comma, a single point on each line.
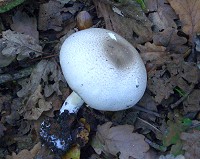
[45, 73]
[167, 71]
[35, 102]
[24, 24]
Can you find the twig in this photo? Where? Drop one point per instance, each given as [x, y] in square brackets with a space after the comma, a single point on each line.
[137, 107]
[44, 57]
[183, 98]
[147, 123]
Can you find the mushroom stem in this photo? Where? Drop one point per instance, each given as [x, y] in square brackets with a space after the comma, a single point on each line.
[72, 103]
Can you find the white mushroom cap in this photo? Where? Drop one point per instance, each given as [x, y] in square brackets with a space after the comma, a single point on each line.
[104, 69]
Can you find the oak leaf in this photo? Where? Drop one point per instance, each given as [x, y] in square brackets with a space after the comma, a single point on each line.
[169, 39]
[25, 24]
[15, 45]
[36, 105]
[161, 14]
[120, 139]
[189, 14]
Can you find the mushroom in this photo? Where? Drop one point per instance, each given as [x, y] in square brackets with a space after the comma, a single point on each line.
[103, 69]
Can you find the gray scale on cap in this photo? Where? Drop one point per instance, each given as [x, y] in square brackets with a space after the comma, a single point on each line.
[118, 53]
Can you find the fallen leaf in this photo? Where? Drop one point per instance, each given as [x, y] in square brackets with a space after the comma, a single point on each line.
[24, 24]
[13, 117]
[36, 105]
[25, 127]
[121, 139]
[151, 52]
[56, 103]
[189, 14]
[191, 144]
[50, 16]
[152, 55]
[26, 154]
[133, 24]
[14, 44]
[192, 102]
[161, 14]
[169, 39]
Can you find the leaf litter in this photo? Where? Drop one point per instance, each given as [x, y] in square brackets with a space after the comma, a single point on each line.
[165, 33]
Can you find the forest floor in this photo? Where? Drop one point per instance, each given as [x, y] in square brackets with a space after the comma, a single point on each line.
[165, 124]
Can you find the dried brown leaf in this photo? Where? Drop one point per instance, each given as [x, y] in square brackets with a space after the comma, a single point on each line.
[169, 39]
[151, 52]
[192, 102]
[26, 154]
[36, 105]
[24, 24]
[152, 55]
[14, 44]
[121, 139]
[161, 14]
[189, 14]
[50, 16]
[191, 144]
[127, 20]
[47, 73]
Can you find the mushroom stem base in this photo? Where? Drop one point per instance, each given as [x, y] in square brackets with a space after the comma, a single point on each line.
[72, 103]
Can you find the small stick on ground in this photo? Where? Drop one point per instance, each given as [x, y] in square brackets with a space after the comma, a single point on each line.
[137, 107]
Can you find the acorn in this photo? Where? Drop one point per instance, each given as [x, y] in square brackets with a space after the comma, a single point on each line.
[84, 20]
